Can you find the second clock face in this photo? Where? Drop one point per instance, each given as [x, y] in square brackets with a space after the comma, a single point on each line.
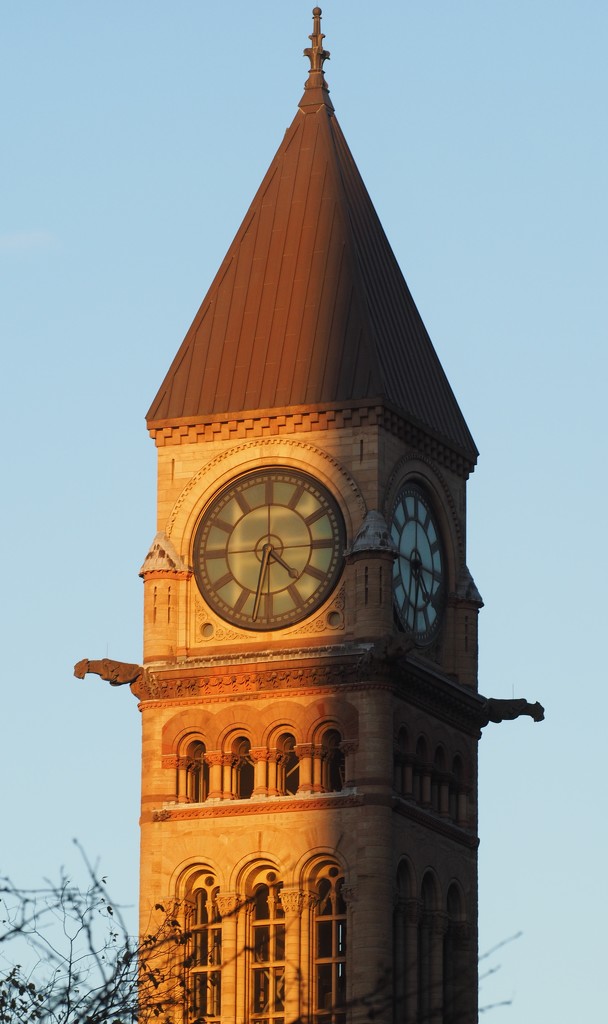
[418, 572]
[269, 549]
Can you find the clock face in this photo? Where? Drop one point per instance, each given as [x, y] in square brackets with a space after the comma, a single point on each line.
[418, 570]
[269, 549]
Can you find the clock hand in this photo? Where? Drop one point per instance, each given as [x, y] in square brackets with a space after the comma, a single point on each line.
[415, 567]
[416, 602]
[266, 553]
[292, 572]
[424, 587]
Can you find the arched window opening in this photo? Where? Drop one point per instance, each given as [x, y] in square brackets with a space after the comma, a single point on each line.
[438, 782]
[404, 947]
[421, 772]
[242, 770]
[288, 765]
[454, 903]
[425, 949]
[267, 955]
[454, 984]
[197, 773]
[434, 793]
[333, 762]
[403, 766]
[330, 950]
[204, 984]
[455, 787]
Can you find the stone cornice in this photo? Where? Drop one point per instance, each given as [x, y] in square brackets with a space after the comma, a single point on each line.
[235, 660]
[439, 695]
[427, 819]
[260, 423]
[239, 808]
[334, 670]
[240, 674]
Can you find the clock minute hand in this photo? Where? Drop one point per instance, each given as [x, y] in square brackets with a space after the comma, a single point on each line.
[266, 553]
[424, 587]
[292, 572]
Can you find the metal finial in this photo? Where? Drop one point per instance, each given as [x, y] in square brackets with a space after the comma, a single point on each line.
[315, 53]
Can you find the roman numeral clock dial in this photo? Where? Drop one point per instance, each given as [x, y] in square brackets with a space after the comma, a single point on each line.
[269, 549]
[418, 570]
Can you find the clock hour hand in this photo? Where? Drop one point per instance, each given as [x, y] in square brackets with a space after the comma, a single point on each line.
[292, 572]
[266, 553]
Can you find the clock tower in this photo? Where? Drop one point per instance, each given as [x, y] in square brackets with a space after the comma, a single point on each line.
[309, 698]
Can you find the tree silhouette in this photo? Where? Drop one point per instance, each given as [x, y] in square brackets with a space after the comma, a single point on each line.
[73, 959]
[77, 963]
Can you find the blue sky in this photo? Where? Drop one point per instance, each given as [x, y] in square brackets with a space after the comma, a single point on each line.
[134, 136]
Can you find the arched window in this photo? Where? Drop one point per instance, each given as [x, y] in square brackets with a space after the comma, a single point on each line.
[438, 781]
[329, 981]
[242, 771]
[267, 955]
[197, 773]
[422, 788]
[288, 765]
[426, 952]
[454, 971]
[455, 788]
[405, 948]
[204, 983]
[333, 762]
[192, 776]
[403, 770]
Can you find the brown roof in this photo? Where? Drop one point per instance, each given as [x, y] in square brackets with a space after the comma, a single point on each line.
[309, 307]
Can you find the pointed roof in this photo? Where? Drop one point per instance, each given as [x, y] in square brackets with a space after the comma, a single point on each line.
[309, 307]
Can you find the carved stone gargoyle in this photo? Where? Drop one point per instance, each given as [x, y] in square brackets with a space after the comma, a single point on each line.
[497, 710]
[117, 673]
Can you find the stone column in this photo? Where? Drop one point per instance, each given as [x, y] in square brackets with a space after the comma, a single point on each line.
[349, 895]
[425, 785]
[231, 764]
[292, 901]
[242, 982]
[273, 764]
[305, 755]
[317, 770]
[228, 905]
[259, 756]
[306, 945]
[349, 749]
[182, 789]
[215, 760]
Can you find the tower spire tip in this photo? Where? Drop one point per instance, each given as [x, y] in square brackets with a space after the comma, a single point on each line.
[315, 53]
